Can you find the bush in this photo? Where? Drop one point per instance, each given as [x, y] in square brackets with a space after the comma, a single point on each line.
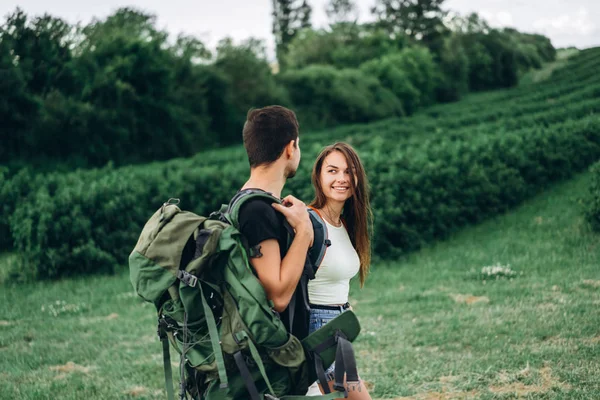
[453, 71]
[409, 74]
[87, 221]
[492, 60]
[324, 96]
[251, 82]
[422, 190]
[429, 176]
[592, 211]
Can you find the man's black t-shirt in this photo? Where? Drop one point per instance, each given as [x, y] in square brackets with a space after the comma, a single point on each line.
[259, 221]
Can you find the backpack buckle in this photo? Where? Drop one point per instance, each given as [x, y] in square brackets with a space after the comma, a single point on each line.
[187, 278]
[340, 388]
[162, 329]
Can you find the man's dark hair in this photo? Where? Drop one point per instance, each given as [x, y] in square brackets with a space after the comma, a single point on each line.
[266, 133]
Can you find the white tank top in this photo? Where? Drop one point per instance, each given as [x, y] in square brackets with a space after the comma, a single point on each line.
[341, 263]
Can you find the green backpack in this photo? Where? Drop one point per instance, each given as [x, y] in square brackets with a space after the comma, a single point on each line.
[213, 310]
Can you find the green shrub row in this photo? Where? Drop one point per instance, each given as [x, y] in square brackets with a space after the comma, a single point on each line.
[417, 129]
[432, 188]
[490, 121]
[88, 221]
[71, 223]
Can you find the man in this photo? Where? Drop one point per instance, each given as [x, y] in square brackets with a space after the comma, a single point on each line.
[271, 139]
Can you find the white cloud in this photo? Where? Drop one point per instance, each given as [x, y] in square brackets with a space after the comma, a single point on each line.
[578, 23]
[497, 19]
[505, 18]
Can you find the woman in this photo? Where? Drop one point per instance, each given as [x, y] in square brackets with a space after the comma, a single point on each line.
[342, 200]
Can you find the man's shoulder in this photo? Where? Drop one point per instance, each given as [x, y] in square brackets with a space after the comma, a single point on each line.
[258, 209]
[258, 204]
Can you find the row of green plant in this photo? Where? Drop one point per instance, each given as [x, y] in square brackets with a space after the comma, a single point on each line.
[118, 89]
[422, 128]
[419, 129]
[579, 69]
[592, 203]
[579, 77]
[88, 221]
[496, 117]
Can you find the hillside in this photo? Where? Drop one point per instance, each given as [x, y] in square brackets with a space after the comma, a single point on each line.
[506, 309]
[431, 174]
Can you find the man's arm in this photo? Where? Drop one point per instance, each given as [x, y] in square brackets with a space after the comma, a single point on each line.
[280, 277]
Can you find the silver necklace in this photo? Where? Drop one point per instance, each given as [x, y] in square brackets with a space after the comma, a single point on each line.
[328, 215]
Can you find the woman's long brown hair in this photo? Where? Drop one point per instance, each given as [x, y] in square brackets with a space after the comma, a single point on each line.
[357, 213]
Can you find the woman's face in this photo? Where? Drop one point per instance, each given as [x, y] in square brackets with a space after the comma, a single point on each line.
[336, 177]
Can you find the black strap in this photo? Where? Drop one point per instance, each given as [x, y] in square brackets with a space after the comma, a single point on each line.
[245, 372]
[345, 363]
[292, 311]
[321, 373]
[162, 334]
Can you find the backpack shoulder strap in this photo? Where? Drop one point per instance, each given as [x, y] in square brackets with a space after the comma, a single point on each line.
[233, 209]
[321, 238]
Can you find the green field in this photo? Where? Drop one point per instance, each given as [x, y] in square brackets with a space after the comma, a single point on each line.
[486, 283]
[432, 174]
[434, 326]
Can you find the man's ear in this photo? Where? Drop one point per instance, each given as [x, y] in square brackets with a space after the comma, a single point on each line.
[290, 148]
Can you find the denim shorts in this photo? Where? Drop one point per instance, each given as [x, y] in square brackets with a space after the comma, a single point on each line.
[318, 318]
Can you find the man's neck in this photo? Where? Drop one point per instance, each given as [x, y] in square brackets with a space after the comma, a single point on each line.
[269, 179]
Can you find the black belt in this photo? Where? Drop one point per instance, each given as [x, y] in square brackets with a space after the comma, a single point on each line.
[324, 307]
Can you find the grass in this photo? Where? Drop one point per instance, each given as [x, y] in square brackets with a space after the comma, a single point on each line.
[545, 72]
[436, 324]
[435, 327]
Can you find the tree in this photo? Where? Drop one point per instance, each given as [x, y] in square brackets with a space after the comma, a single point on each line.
[142, 90]
[344, 45]
[421, 20]
[453, 71]
[18, 108]
[41, 47]
[250, 78]
[472, 23]
[288, 19]
[341, 11]
[35, 61]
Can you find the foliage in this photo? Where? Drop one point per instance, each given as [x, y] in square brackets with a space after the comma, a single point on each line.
[101, 92]
[341, 11]
[289, 17]
[343, 45]
[430, 174]
[592, 210]
[420, 20]
[119, 90]
[421, 315]
[410, 74]
[325, 96]
[251, 83]
[452, 76]
[492, 60]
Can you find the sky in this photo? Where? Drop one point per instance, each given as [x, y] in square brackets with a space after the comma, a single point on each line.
[566, 23]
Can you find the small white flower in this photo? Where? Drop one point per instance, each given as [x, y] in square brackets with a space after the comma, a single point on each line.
[498, 271]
